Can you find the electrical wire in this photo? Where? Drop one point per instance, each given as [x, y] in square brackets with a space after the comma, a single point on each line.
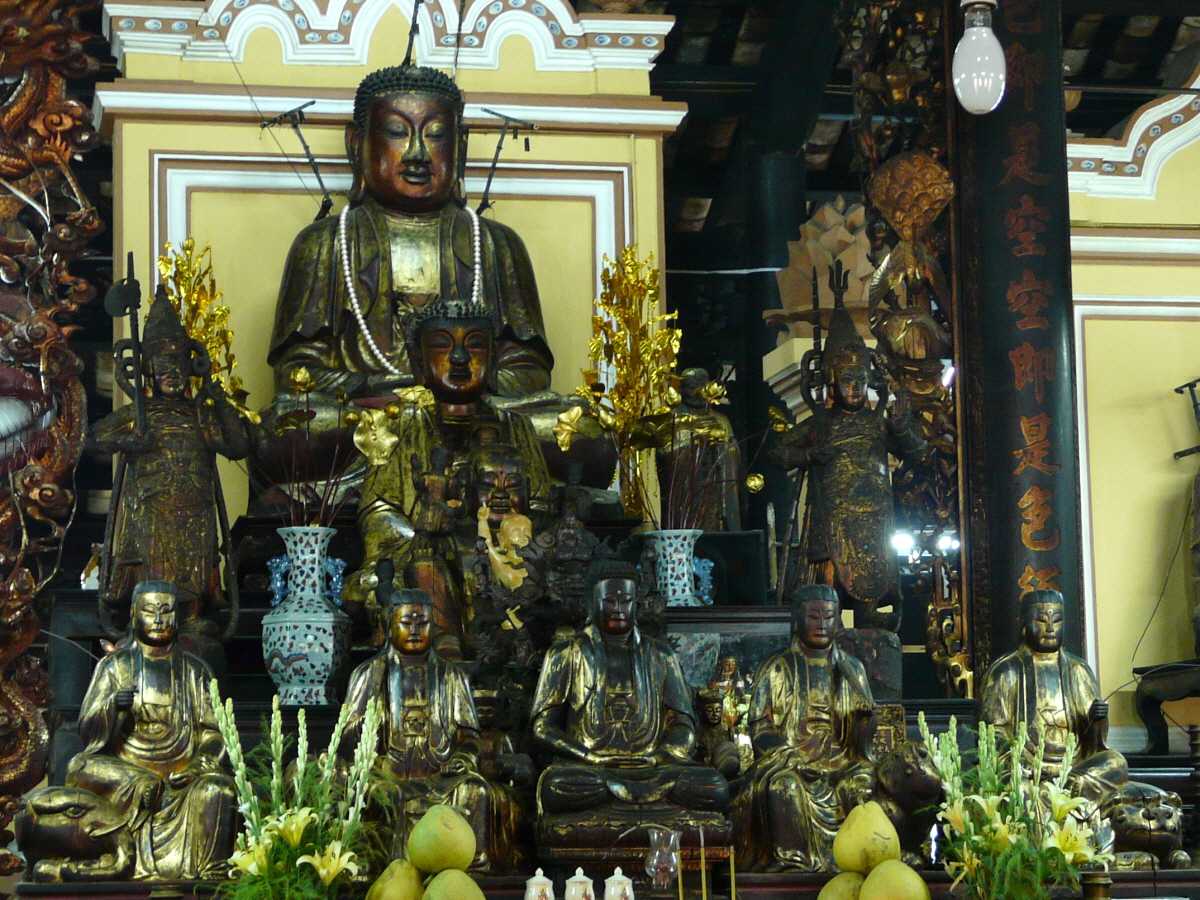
[254, 102]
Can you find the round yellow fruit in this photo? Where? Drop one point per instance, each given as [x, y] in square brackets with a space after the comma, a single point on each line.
[866, 839]
[842, 887]
[443, 839]
[453, 885]
[893, 880]
[399, 881]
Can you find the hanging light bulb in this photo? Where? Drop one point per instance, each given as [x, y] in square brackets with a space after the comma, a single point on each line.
[978, 68]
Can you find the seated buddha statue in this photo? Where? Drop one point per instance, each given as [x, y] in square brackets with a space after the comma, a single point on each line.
[406, 238]
[153, 754]
[1056, 695]
[445, 427]
[615, 716]
[811, 724]
[429, 741]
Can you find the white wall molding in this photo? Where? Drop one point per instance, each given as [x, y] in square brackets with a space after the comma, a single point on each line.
[1093, 306]
[610, 115]
[1130, 167]
[339, 32]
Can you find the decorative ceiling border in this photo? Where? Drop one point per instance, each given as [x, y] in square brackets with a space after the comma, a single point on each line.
[1130, 165]
[338, 32]
[132, 98]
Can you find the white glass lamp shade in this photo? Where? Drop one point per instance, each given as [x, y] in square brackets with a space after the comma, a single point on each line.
[978, 70]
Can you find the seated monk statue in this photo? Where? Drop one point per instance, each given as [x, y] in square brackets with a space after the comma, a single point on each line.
[812, 725]
[1056, 695]
[615, 715]
[429, 742]
[153, 751]
[406, 238]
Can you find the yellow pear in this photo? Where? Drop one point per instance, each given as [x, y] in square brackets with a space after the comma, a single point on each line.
[442, 839]
[453, 885]
[893, 880]
[866, 839]
[399, 881]
[842, 887]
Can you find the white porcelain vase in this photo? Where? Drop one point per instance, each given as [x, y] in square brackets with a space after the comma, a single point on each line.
[306, 638]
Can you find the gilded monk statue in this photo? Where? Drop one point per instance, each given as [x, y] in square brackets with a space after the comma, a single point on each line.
[812, 725]
[405, 240]
[430, 739]
[615, 714]
[153, 769]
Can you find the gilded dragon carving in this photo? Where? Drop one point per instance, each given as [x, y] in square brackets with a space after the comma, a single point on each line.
[45, 224]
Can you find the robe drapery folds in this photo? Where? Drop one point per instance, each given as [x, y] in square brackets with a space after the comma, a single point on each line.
[408, 771]
[315, 325]
[181, 833]
[798, 792]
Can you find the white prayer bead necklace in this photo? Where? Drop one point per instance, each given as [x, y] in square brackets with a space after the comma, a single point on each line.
[348, 274]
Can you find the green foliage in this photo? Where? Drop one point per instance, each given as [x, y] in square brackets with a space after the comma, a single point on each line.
[1010, 829]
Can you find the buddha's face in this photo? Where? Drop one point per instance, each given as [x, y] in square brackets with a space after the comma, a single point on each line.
[456, 357]
[616, 598]
[499, 481]
[411, 628]
[712, 711]
[516, 532]
[727, 667]
[170, 371]
[154, 618]
[1044, 627]
[850, 384]
[816, 623]
[408, 153]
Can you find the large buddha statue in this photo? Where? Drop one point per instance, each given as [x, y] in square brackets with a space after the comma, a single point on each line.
[812, 724]
[429, 742]
[409, 240]
[615, 715]
[153, 770]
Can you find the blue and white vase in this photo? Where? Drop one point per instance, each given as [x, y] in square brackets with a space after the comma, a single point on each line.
[674, 550]
[306, 638]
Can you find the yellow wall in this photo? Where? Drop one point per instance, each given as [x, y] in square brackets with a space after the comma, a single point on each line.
[1133, 357]
[250, 230]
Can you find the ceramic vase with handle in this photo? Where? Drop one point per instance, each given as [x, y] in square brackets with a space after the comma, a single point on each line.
[306, 638]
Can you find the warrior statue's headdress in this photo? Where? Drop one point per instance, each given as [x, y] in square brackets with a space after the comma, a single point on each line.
[164, 332]
[844, 343]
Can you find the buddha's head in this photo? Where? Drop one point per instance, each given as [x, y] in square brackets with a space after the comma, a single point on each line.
[155, 619]
[167, 350]
[451, 345]
[1042, 620]
[498, 479]
[614, 590]
[407, 138]
[410, 622]
[727, 668]
[711, 705]
[815, 612]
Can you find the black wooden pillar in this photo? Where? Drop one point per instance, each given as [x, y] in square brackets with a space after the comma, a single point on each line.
[1018, 354]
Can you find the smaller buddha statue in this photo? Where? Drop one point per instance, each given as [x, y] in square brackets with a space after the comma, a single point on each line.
[429, 742]
[1055, 694]
[812, 725]
[702, 456]
[717, 744]
[734, 690]
[165, 524]
[844, 446]
[154, 762]
[615, 715]
[452, 346]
